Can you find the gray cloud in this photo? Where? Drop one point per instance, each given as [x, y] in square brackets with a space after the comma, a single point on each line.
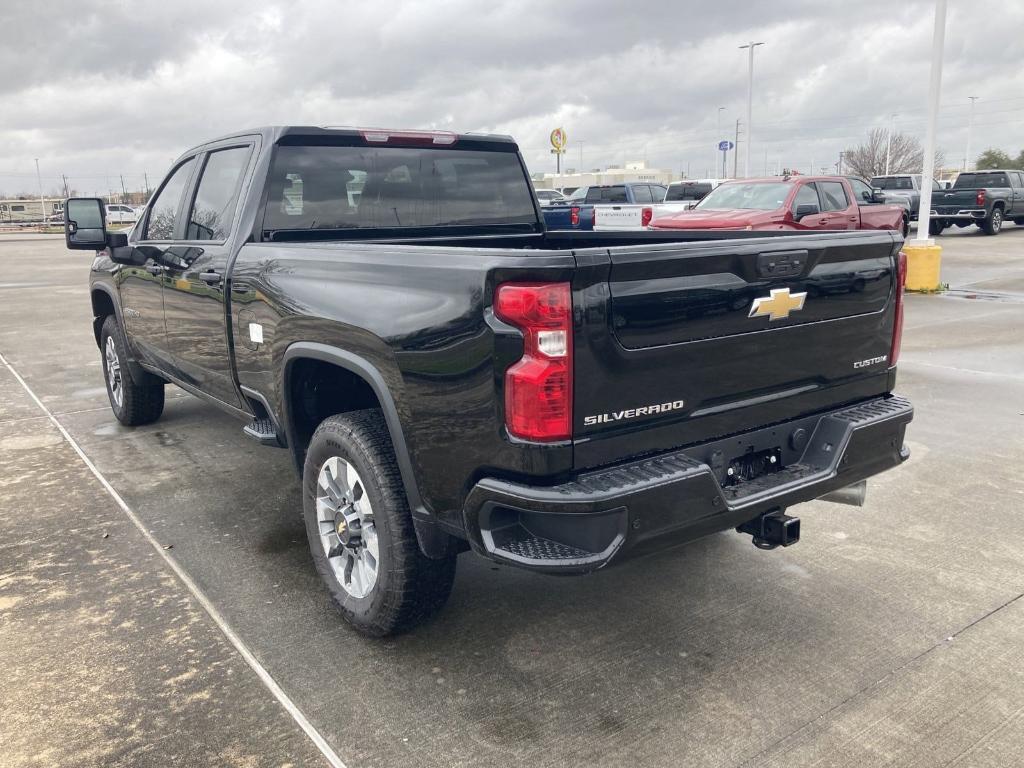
[96, 89]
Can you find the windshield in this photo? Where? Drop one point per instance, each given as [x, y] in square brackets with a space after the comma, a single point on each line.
[976, 180]
[765, 196]
[345, 187]
[687, 192]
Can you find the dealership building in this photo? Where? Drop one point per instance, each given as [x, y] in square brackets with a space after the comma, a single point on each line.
[632, 172]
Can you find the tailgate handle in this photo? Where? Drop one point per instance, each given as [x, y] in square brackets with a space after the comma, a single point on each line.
[781, 264]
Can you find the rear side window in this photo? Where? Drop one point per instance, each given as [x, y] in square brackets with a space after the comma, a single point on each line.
[642, 194]
[354, 187]
[164, 208]
[833, 196]
[210, 217]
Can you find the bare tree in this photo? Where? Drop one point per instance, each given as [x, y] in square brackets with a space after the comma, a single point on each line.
[906, 155]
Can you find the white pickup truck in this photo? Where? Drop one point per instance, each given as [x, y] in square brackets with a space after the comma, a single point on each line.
[610, 207]
[684, 195]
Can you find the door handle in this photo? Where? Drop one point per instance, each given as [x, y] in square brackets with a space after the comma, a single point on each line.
[211, 278]
[155, 269]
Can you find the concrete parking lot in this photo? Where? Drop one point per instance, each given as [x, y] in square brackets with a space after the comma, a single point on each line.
[891, 635]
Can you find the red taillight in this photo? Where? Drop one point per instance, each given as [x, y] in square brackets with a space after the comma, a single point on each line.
[593, 217]
[574, 216]
[538, 388]
[897, 328]
[645, 216]
[979, 199]
[386, 136]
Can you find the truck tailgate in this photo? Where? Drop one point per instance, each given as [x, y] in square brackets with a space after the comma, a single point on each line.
[686, 342]
[612, 217]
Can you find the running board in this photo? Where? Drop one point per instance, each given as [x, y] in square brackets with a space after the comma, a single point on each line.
[262, 431]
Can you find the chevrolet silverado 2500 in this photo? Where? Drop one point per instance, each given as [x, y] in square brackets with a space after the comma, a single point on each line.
[448, 375]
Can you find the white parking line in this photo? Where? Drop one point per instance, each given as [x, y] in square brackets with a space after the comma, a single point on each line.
[202, 599]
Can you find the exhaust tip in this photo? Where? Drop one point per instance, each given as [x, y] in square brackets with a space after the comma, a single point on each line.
[854, 495]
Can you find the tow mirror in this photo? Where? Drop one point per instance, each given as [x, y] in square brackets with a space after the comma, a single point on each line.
[805, 209]
[85, 224]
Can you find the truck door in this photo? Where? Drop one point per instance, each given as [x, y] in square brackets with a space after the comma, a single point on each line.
[837, 210]
[141, 287]
[194, 299]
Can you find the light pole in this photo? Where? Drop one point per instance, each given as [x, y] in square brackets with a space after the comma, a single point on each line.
[934, 83]
[970, 127]
[888, 140]
[42, 203]
[750, 103]
[718, 139]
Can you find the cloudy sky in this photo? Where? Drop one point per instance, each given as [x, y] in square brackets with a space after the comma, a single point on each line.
[97, 89]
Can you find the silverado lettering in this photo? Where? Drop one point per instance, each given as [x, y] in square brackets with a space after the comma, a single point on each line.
[632, 413]
[447, 373]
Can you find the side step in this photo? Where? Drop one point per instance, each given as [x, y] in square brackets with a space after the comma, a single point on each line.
[262, 431]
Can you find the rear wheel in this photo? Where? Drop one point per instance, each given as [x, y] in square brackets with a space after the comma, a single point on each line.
[132, 404]
[905, 229]
[360, 528]
[935, 227]
[994, 223]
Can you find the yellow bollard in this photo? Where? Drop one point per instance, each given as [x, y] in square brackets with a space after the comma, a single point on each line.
[923, 262]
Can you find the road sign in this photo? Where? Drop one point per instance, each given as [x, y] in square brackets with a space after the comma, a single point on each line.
[725, 146]
[559, 139]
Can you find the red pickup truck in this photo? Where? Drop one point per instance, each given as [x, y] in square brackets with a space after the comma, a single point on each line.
[790, 202]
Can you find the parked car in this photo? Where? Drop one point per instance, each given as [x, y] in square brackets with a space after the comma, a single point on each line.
[684, 195]
[550, 197]
[985, 198]
[448, 375]
[787, 203]
[906, 186]
[121, 214]
[606, 207]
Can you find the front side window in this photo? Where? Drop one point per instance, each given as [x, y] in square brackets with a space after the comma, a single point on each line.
[833, 196]
[164, 208]
[210, 218]
[861, 191]
[806, 194]
[356, 187]
[579, 195]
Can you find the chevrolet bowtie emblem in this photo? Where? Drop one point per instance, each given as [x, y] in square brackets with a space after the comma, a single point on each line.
[778, 305]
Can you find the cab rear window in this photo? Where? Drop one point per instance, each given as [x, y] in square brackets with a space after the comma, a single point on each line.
[355, 187]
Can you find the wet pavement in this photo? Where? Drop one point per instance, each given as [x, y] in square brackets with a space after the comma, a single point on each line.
[890, 635]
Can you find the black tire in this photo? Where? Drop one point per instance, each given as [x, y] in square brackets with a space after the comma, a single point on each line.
[409, 587]
[135, 404]
[993, 225]
[905, 229]
[935, 227]
[1019, 221]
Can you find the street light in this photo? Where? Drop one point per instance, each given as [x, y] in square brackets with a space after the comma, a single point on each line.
[970, 127]
[42, 203]
[750, 103]
[888, 140]
[718, 138]
[934, 84]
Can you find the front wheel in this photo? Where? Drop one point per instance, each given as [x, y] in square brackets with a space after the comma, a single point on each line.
[935, 227]
[994, 223]
[360, 528]
[132, 404]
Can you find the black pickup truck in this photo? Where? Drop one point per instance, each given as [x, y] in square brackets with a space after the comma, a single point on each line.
[985, 198]
[448, 375]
